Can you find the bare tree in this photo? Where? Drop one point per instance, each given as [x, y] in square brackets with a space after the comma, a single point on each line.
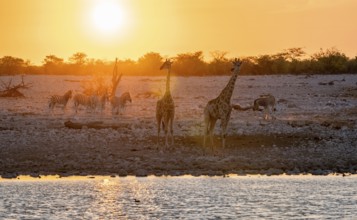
[219, 56]
[115, 78]
[10, 90]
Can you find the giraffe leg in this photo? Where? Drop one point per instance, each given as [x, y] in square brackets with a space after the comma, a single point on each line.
[172, 130]
[206, 131]
[224, 123]
[158, 119]
[224, 132]
[212, 124]
[166, 129]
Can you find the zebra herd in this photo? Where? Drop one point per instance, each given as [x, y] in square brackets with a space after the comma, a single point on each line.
[92, 103]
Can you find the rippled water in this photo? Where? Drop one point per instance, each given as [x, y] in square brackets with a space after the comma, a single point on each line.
[180, 197]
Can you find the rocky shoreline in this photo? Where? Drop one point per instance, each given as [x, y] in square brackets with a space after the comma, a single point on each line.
[272, 154]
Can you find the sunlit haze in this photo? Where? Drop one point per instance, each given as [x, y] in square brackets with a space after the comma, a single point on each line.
[130, 28]
[107, 17]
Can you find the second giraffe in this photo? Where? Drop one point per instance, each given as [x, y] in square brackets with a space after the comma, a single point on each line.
[165, 108]
[220, 108]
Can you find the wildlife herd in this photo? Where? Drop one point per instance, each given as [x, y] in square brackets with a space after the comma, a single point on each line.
[216, 109]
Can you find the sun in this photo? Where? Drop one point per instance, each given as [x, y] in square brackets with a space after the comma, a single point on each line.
[107, 17]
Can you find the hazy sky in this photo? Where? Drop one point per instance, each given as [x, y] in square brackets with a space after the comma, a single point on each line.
[105, 29]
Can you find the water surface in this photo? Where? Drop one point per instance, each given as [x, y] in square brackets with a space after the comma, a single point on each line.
[180, 197]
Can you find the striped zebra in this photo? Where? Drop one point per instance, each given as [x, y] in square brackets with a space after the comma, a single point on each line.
[119, 103]
[60, 100]
[81, 99]
[99, 101]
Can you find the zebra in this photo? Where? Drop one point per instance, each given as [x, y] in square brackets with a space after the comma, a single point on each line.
[120, 102]
[99, 101]
[266, 101]
[81, 99]
[59, 100]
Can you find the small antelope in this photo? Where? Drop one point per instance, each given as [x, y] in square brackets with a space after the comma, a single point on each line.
[268, 103]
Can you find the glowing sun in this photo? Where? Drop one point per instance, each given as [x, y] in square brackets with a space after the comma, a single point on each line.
[107, 17]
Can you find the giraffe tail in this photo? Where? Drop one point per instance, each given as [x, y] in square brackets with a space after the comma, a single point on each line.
[163, 125]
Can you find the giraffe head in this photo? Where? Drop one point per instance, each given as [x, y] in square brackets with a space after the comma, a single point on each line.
[236, 65]
[166, 65]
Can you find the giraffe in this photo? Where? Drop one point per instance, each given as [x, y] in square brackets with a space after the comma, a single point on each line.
[220, 107]
[165, 108]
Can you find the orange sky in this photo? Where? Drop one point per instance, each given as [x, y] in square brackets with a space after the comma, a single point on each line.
[32, 29]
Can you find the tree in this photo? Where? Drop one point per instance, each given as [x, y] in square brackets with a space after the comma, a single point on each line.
[219, 56]
[52, 59]
[187, 64]
[352, 65]
[78, 61]
[329, 61]
[220, 64]
[128, 66]
[97, 67]
[150, 63]
[52, 64]
[11, 65]
[295, 53]
[78, 58]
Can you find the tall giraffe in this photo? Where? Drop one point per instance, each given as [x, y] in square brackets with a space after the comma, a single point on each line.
[220, 107]
[165, 108]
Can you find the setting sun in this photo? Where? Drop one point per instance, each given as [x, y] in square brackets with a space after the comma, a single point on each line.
[106, 29]
[107, 17]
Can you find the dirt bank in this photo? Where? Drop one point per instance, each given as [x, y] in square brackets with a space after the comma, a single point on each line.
[245, 154]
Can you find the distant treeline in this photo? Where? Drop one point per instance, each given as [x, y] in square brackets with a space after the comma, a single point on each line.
[289, 61]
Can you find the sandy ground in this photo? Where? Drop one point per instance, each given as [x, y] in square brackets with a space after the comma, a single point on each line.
[315, 129]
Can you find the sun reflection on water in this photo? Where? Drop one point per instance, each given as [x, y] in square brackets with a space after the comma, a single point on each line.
[178, 197]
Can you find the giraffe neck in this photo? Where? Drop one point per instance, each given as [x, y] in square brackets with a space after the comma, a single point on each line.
[227, 92]
[168, 82]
